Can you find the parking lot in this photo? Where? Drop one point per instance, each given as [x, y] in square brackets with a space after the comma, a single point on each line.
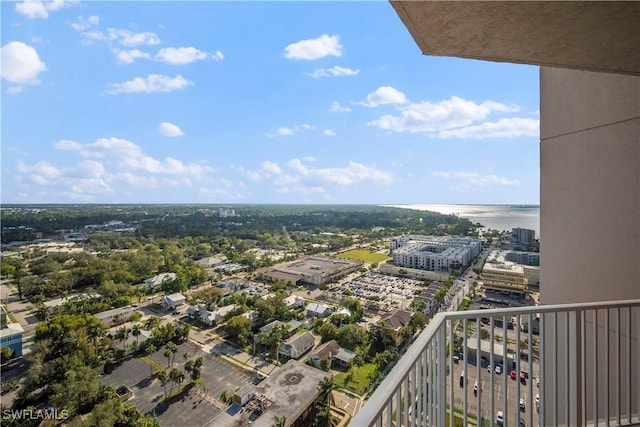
[394, 292]
[195, 407]
[502, 388]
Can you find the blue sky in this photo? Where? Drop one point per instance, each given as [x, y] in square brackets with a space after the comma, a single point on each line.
[254, 102]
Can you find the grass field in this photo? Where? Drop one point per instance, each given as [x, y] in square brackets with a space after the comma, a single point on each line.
[357, 378]
[363, 255]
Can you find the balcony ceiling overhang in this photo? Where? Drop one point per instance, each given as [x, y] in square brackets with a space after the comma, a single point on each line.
[599, 36]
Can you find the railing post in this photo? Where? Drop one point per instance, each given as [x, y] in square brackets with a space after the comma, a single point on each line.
[442, 374]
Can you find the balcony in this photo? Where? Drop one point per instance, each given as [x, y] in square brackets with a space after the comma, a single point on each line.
[570, 364]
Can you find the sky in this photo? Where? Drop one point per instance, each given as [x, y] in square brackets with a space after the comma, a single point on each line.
[254, 102]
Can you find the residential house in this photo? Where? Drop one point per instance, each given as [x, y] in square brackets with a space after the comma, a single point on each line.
[174, 301]
[332, 351]
[326, 350]
[297, 345]
[317, 310]
[159, 279]
[115, 316]
[396, 321]
[53, 304]
[294, 301]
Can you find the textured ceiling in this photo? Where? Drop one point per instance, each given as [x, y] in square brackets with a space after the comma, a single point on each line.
[595, 36]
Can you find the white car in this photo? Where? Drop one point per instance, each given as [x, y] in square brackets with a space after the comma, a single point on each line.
[522, 405]
[498, 369]
[537, 401]
[500, 418]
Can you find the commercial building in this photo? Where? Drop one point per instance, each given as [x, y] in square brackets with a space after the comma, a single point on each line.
[311, 270]
[289, 393]
[434, 253]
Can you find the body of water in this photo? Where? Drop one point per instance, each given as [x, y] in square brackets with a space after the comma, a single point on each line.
[500, 217]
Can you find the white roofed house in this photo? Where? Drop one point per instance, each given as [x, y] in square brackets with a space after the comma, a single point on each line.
[115, 316]
[294, 301]
[159, 279]
[317, 310]
[173, 301]
[297, 345]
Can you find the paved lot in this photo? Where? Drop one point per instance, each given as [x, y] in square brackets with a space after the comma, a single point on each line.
[504, 388]
[197, 406]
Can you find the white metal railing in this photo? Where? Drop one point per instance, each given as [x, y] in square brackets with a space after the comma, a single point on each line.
[570, 364]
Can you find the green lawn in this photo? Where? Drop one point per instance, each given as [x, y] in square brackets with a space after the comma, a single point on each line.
[357, 378]
[363, 255]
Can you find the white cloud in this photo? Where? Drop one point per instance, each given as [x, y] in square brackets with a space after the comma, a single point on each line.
[123, 37]
[185, 55]
[129, 56]
[127, 156]
[286, 131]
[169, 129]
[351, 174]
[503, 128]
[33, 9]
[20, 63]
[477, 180]
[328, 132]
[384, 95]
[311, 49]
[428, 117]
[85, 24]
[14, 90]
[84, 179]
[281, 132]
[271, 168]
[149, 84]
[336, 107]
[334, 72]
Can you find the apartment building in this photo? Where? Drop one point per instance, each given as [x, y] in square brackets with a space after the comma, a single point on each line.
[434, 253]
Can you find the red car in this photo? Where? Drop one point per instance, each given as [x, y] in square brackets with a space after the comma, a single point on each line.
[513, 375]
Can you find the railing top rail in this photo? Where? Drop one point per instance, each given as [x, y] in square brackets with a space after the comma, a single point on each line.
[375, 405]
[554, 308]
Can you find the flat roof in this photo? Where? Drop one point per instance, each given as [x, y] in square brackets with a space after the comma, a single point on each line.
[288, 392]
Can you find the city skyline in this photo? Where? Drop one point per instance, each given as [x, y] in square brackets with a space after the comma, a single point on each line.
[254, 102]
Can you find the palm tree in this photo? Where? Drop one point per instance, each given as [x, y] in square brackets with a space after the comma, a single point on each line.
[163, 377]
[168, 353]
[151, 322]
[277, 336]
[279, 421]
[327, 386]
[150, 350]
[176, 376]
[135, 331]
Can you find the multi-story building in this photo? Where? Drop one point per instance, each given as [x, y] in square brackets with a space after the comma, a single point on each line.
[590, 214]
[434, 253]
[10, 333]
[524, 258]
[523, 235]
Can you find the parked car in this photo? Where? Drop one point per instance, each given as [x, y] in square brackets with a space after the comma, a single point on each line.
[523, 378]
[522, 405]
[498, 369]
[512, 374]
[537, 401]
[475, 388]
[522, 423]
[500, 418]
